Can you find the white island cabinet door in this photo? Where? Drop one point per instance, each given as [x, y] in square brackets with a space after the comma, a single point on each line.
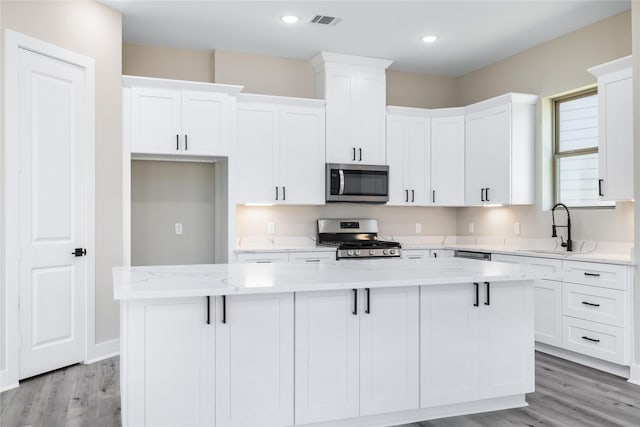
[326, 354]
[169, 363]
[254, 360]
[389, 345]
[449, 349]
[206, 123]
[301, 163]
[506, 339]
[155, 121]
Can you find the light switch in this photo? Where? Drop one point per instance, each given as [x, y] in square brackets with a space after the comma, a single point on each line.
[271, 228]
[418, 228]
[470, 228]
[516, 228]
[178, 228]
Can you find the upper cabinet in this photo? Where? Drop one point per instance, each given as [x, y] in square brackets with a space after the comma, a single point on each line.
[447, 157]
[280, 150]
[355, 90]
[174, 118]
[499, 150]
[615, 112]
[408, 155]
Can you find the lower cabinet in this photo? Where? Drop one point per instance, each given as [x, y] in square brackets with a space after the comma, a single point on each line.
[235, 370]
[476, 341]
[356, 353]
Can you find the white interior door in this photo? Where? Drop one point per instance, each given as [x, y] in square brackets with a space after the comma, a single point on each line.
[52, 144]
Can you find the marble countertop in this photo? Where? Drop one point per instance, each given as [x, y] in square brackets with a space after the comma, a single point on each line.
[229, 279]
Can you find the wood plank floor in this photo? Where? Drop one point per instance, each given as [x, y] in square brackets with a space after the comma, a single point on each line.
[566, 394]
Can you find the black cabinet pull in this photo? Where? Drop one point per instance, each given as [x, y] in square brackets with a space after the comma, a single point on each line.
[208, 310]
[284, 193]
[433, 196]
[486, 194]
[477, 286]
[482, 194]
[488, 300]
[354, 154]
[355, 302]
[435, 254]
[591, 304]
[600, 188]
[78, 252]
[368, 309]
[224, 309]
[590, 339]
[592, 274]
[186, 142]
[413, 196]
[177, 142]
[360, 149]
[406, 196]
[276, 192]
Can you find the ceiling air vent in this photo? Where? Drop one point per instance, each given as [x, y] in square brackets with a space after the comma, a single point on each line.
[324, 20]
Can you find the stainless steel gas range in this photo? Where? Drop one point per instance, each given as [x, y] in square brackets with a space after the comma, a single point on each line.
[356, 238]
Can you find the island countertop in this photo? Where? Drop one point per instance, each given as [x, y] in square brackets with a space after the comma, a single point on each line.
[230, 279]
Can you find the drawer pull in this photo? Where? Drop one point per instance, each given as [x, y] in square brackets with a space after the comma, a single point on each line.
[592, 274]
[263, 261]
[312, 260]
[591, 304]
[590, 339]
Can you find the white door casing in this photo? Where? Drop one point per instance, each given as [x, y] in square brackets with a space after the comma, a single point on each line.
[52, 204]
[60, 92]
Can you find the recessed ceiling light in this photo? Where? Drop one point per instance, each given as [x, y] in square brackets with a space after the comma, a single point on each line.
[290, 19]
[430, 39]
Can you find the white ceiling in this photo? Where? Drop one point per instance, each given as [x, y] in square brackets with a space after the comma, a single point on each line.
[473, 33]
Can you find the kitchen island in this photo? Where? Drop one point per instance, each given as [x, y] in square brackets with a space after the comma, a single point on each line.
[379, 342]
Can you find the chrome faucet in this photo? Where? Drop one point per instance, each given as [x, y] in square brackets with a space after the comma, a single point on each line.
[568, 243]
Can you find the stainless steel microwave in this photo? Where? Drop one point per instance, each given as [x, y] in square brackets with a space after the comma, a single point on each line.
[357, 183]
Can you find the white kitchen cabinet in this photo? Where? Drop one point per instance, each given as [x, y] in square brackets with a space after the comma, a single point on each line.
[463, 330]
[415, 254]
[355, 91]
[170, 365]
[263, 257]
[499, 150]
[441, 253]
[389, 353]
[280, 150]
[447, 157]
[254, 360]
[326, 354]
[548, 298]
[312, 257]
[174, 118]
[356, 353]
[615, 129]
[408, 156]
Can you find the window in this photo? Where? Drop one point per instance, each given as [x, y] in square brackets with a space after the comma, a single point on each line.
[576, 150]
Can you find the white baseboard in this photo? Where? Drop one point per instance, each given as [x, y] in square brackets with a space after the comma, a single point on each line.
[592, 362]
[634, 375]
[103, 350]
[7, 382]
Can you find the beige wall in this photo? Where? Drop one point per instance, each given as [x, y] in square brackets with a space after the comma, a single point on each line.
[547, 70]
[167, 62]
[265, 75]
[166, 193]
[94, 30]
[421, 90]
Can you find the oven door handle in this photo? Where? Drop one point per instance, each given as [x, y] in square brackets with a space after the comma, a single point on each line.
[341, 189]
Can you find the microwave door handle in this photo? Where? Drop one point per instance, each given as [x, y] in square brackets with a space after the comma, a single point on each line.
[341, 189]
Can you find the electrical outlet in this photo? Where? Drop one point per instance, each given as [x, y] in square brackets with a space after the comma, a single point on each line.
[516, 228]
[418, 228]
[471, 228]
[271, 228]
[178, 228]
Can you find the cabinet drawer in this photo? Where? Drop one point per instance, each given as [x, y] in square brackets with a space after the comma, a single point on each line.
[415, 254]
[594, 339]
[311, 257]
[589, 273]
[264, 258]
[595, 304]
[441, 253]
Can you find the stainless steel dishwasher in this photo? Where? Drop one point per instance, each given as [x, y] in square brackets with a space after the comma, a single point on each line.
[483, 256]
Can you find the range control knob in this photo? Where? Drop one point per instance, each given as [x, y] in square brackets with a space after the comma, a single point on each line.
[358, 253]
[386, 251]
[392, 251]
[350, 253]
[372, 252]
